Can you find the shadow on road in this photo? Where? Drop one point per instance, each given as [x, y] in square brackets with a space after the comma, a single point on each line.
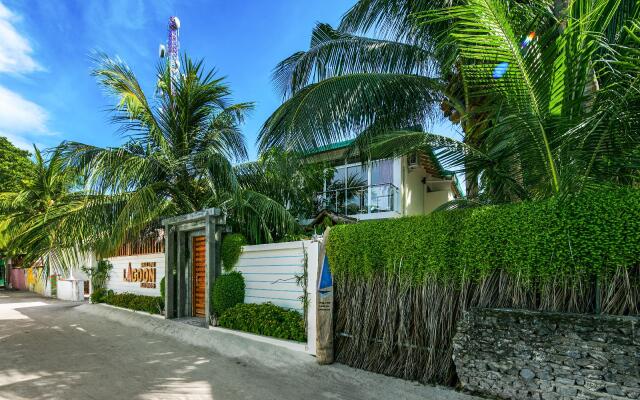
[51, 351]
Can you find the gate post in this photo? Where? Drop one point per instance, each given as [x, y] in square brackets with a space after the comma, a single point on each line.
[324, 304]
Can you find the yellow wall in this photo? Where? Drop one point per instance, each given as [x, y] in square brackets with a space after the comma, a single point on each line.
[416, 199]
[434, 200]
[36, 280]
[414, 191]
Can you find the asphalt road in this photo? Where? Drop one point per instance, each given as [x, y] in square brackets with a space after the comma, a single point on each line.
[49, 350]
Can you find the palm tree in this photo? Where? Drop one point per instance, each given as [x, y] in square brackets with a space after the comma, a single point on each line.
[287, 178]
[518, 141]
[44, 219]
[177, 157]
[560, 118]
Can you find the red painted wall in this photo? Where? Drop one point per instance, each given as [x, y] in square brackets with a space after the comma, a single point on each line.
[18, 280]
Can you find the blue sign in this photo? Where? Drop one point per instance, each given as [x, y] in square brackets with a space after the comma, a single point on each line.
[326, 281]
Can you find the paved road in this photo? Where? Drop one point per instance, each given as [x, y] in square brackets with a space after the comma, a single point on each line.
[49, 350]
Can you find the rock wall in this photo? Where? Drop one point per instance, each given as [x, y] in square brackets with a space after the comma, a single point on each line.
[515, 354]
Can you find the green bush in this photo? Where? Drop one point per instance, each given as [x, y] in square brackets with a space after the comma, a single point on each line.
[162, 288]
[97, 296]
[150, 304]
[99, 275]
[265, 319]
[590, 234]
[227, 291]
[231, 249]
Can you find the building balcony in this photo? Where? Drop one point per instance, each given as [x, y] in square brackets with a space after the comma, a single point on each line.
[361, 201]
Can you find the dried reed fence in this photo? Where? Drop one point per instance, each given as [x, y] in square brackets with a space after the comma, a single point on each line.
[389, 325]
[402, 285]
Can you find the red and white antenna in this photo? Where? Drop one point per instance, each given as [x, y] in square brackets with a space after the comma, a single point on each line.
[173, 44]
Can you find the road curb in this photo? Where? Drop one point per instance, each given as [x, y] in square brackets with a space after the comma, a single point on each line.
[224, 343]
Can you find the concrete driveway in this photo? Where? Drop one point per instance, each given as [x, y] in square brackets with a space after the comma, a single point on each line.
[50, 350]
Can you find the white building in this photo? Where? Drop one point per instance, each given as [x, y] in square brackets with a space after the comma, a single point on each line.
[386, 188]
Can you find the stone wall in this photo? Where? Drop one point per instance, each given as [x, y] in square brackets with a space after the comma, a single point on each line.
[516, 354]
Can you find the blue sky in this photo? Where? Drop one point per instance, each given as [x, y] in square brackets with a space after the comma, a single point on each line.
[47, 94]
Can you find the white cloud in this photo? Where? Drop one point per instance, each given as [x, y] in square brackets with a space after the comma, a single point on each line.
[22, 121]
[19, 115]
[15, 50]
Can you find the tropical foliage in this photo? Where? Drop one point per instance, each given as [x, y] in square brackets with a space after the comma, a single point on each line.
[286, 177]
[132, 301]
[176, 158]
[178, 154]
[231, 249]
[99, 274]
[46, 216]
[559, 119]
[16, 167]
[227, 292]
[403, 284]
[265, 319]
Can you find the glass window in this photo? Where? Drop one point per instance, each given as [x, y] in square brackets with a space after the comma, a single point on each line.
[337, 181]
[381, 172]
[357, 176]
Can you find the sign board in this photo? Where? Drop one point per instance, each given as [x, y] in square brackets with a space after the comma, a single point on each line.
[145, 274]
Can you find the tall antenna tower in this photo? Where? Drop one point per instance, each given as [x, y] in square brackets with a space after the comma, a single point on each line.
[173, 45]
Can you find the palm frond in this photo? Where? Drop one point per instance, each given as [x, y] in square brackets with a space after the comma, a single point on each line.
[339, 108]
[334, 53]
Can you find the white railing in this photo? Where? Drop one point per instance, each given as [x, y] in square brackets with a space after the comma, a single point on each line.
[368, 199]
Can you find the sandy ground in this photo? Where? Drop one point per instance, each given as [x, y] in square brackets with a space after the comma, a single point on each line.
[58, 350]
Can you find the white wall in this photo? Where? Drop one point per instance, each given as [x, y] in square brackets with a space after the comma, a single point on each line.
[313, 267]
[71, 290]
[414, 192]
[120, 264]
[269, 272]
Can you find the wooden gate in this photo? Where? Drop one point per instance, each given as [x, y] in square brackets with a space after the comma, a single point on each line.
[198, 260]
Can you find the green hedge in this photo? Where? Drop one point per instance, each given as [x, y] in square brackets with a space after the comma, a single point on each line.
[265, 319]
[97, 296]
[227, 291]
[231, 249]
[162, 287]
[150, 304]
[589, 234]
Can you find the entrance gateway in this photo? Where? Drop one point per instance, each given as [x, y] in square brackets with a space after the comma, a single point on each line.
[192, 262]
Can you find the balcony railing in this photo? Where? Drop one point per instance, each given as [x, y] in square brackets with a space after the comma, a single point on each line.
[361, 199]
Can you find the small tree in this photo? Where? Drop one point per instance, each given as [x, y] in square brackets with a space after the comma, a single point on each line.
[228, 291]
[99, 276]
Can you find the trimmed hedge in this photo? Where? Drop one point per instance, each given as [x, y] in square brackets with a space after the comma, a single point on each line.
[227, 291]
[265, 319]
[590, 234]
[97, 296]
[150, 304]
[231, 249]
[162, 287]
